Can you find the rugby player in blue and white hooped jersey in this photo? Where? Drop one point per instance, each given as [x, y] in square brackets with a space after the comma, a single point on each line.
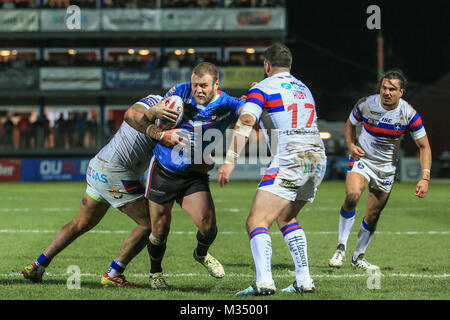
[113, 179]
[175, 175]
[285, 108]
[385, 118]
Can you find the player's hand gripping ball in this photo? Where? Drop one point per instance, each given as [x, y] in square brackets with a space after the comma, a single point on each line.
[174, 103]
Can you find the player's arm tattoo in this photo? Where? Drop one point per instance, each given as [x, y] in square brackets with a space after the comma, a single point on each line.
[139, 117]
[154, 132]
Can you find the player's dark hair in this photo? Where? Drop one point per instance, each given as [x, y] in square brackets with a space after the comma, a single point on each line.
[278, 55]
[395, 74]
[206, 68]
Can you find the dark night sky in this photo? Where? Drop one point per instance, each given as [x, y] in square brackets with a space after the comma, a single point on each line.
[335, 54]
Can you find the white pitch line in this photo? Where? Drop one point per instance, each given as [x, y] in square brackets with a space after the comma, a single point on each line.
[401, 233]
[241, 275]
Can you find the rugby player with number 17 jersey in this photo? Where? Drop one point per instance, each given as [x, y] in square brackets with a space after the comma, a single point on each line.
[284, 107]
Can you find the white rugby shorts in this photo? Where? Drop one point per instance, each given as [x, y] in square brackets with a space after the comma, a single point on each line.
[112, 185]
[380, 176]
[296, 176]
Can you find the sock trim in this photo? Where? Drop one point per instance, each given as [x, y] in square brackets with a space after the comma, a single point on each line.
[348, 214]
[116, 266]
[289, 228]
[367, 227]
[42, 260]
[257, 231]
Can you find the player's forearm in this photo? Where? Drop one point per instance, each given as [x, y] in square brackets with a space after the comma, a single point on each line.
[425, 162]
[425, 157]
[349, 134]
[139, 118]
[239, 139]
[238, 143]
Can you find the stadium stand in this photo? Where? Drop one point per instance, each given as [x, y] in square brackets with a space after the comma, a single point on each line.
[64, 90]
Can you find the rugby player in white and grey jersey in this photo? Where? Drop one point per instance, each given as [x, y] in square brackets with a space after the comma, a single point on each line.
[385, 118]
[113, 179]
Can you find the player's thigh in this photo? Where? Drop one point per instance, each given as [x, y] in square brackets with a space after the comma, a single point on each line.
[138, 211]
[91, 211]
[200, 207]
[266, 208]
[355, 183]
[289, 213]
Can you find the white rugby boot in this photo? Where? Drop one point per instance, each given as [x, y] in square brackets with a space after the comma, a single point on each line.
[338, 257]
[361, 263]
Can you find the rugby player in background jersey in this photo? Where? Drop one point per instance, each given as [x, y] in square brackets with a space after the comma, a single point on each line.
[285, 109]
[385, 118]
[181, 175]
[113, 179]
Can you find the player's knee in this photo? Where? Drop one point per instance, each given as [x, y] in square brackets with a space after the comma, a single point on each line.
[207, 224]
[158, 239]
[351, 200]
[81, 226]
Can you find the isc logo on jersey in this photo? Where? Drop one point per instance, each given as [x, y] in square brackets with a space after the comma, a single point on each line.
[174, 103]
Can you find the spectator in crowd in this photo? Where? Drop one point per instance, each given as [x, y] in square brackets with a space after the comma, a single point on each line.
[152, 63]
[81, 128]
[24, 130]
[8, 127]
[37, 133]
[92, 132]
[61, 131]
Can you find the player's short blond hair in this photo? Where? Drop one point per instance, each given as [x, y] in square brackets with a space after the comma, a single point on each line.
[206, 68]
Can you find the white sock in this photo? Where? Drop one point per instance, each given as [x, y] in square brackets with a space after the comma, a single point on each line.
[346, 220]
[365, 234]
[261, 246]
[296, 241]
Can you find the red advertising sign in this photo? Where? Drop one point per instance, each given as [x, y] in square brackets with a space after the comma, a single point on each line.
[10, 170]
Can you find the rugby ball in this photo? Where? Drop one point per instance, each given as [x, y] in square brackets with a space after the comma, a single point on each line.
[174, 103]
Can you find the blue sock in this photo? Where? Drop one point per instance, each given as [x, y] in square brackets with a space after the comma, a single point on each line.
[43, 261]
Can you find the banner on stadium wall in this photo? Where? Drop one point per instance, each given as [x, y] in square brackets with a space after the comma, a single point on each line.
[241, 77]
[19, 20]
[54, 170]
[79, 78]
[188, 20]
[19, 78]
[131, 20]
[131, 78]
[10, 170]
[55, 20]
[254, 19]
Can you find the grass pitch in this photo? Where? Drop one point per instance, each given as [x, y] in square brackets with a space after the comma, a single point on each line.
[411, 245]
